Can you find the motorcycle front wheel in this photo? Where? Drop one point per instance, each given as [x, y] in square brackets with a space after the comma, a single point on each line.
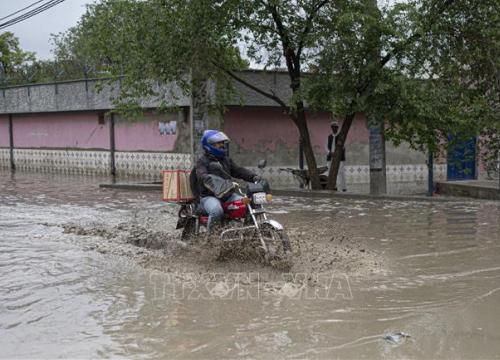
[279, 249]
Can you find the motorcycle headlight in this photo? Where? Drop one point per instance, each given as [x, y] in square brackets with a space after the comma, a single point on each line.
[260, 198]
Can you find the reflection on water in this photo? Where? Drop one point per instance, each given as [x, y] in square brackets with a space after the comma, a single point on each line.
[59, 300]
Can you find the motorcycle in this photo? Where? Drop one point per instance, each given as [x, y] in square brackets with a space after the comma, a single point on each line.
[245, 221]
[302, 176]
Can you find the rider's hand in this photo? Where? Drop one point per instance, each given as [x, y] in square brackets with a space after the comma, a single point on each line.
[235, 185]
[257, 178]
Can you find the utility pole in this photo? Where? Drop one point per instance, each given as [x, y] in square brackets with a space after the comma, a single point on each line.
[11, 144]
[301, 159]
[430, 177]
[378, 176]
[112, 144]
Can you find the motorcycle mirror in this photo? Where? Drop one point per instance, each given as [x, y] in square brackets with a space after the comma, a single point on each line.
[262, 163]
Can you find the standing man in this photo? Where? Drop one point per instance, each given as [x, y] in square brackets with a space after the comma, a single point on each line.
[332, 141]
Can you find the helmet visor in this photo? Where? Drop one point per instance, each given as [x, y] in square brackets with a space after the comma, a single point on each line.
[217, 138]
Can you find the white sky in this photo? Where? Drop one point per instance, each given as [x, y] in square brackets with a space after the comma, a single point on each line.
[34, 33]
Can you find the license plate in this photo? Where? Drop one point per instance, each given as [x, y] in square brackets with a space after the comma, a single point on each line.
[259, 198]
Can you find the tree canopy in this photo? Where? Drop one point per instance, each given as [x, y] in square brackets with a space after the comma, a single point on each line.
[14, 62]
[425, 68]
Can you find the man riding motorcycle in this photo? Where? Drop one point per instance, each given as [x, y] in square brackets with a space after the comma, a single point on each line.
[214, 173]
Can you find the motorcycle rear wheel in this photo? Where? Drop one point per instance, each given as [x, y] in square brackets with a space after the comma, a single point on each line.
[323, 180]
[189, 230]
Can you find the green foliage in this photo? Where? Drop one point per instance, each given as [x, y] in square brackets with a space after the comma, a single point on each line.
[463, 50]
[14, 62]
[426, 68]
[152, 43]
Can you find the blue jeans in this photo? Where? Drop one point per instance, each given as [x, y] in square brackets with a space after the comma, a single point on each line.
[213, 207]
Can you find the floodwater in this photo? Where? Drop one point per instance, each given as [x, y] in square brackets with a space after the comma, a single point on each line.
[88, 272]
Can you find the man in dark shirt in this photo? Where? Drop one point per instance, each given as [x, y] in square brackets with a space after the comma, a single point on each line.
[216, 162]
[330, 148]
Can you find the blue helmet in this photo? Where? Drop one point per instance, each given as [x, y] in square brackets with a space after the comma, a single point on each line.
[209, 138]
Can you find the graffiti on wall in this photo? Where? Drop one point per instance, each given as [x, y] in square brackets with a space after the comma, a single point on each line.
[167, 127]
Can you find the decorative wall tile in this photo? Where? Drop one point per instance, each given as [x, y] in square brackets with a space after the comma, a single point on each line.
[64, 161]
[150, 164]
[140, 164]
[277, 177]
[4, 158]
[360, 175]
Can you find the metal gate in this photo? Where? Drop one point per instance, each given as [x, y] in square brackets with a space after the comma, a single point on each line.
[462, 160]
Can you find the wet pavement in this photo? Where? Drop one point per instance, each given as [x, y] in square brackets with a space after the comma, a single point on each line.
[88, 272]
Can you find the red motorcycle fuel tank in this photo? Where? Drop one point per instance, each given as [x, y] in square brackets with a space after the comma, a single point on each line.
[235, 209]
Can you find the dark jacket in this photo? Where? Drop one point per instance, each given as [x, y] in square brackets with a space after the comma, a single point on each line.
[209, 165]
[331, 151]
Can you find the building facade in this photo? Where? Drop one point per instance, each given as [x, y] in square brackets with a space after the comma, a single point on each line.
[66, 127]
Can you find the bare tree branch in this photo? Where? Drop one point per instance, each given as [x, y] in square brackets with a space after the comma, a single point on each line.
[270, 95]
[307, 28]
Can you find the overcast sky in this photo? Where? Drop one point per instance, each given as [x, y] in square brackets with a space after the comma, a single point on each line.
[34, 33]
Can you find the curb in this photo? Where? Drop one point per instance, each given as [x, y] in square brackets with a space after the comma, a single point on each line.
[308, 193]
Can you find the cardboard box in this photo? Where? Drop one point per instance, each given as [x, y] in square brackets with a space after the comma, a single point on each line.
[176, 187]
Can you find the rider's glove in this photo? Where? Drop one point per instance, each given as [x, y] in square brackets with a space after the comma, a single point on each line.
[257, 178]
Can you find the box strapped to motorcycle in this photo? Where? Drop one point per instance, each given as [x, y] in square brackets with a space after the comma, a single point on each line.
[176, 186]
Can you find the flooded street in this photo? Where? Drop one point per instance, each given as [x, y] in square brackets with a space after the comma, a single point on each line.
[88, 272]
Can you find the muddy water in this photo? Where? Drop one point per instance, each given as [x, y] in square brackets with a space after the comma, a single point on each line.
[88, 273]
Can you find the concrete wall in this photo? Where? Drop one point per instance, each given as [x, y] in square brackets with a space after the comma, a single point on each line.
[56, 127]
[82, 130]
[74, 96]
[145, 135]
[261, 132]
[4, 131]
[64, 130]
[79, 143]
[81, 95]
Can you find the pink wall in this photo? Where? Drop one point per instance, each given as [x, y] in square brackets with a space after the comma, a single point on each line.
[4, 131]
[144, 135]
[65, 130]
[259, 129]
[82, 130]
[263, 128]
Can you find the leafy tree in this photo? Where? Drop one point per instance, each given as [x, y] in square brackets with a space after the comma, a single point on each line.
[13, 60]
[463, 50]
[398, 64]
[22, 67]
[404, 66]
[192, 42]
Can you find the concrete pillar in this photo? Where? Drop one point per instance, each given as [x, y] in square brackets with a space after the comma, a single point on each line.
[112, 146]
[11, 143]
[430, 174]
[378, 178]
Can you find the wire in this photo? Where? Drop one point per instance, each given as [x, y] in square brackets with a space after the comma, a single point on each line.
[24, 8]
[31, 13]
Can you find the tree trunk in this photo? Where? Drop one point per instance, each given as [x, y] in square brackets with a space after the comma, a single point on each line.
[299, 118]
[341, 137]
